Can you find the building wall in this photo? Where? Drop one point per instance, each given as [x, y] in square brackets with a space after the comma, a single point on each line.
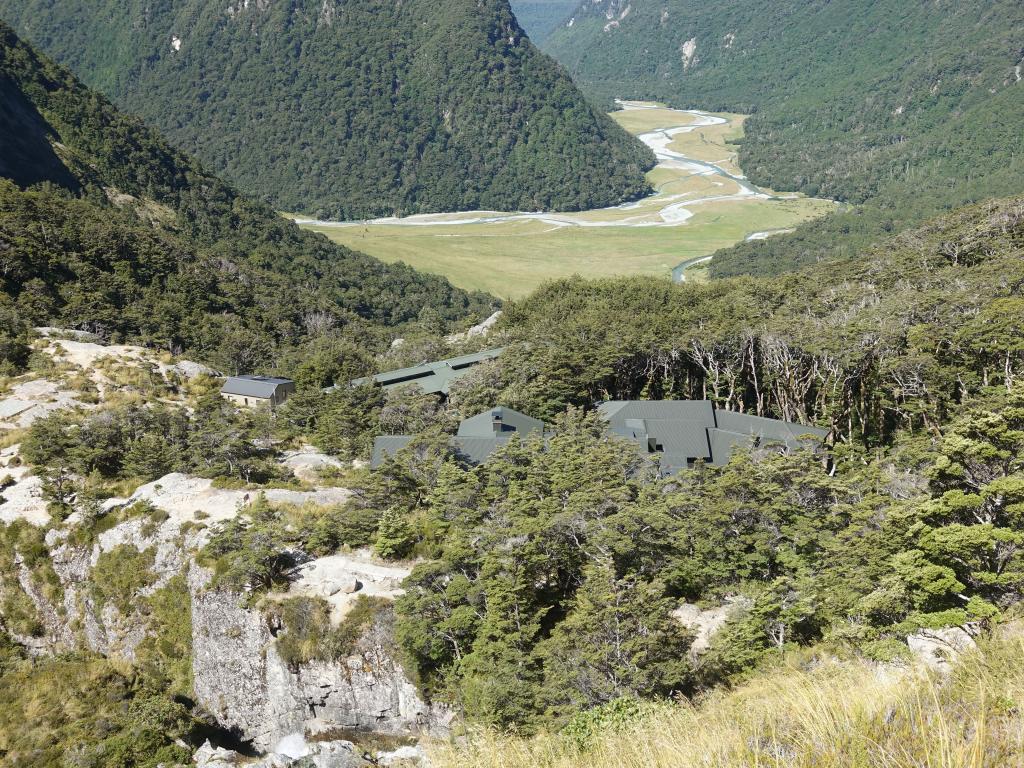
[282, 393]
[250, 402]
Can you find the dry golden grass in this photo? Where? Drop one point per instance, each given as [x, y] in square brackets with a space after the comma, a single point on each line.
[850, 714]
[9, 437]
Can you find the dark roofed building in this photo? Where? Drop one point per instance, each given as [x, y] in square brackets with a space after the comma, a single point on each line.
[478, 437]
[387, 445]
[433, 378]
[257, 390]
[679, 432]
[683, 432]
[499, 422]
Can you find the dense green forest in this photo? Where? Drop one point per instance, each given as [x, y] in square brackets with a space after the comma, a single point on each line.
[547, 576]
[542, 17]
[901, 108]
[351, 110]
[551, 570]
[125, 237]
[543, 582]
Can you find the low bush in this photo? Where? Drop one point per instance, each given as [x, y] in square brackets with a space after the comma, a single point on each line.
[119, 575]
[853, 714]
[305, 632]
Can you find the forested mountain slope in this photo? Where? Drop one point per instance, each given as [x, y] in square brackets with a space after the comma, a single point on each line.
[906, 107]
[124, 236]
[350, 109]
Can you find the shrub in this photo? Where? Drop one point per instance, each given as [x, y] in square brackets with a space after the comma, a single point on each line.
[120, 574]
[305, 631]
[80, 710]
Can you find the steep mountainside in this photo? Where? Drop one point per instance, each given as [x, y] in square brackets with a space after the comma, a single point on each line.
[350, 109]
[542, 17]
[910, 107]
[129, 238]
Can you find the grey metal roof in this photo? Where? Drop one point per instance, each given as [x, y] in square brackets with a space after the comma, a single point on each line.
[680, 431]
[694, 410]
[771, 429]
[387, 445]
[499, 421]
[255, 386]
[478, 437]
[683, 431]
[681, 437]
[477, 450]
[723, 443]
[435, 377]
[474, 450]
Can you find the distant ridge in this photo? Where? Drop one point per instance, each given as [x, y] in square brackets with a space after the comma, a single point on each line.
[104, 227]
[542, 17]
[903, 109]
[354, 109]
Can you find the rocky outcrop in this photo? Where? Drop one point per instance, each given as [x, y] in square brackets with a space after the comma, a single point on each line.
[706, 623]
[298, 753]
[340, 579]
[940, 648]
[241, 679]
[187, 369]
[79, 620]
[328, 754]
[307, 463]
[182, 496]
[28, 401]
[480, 329]
[21, 495]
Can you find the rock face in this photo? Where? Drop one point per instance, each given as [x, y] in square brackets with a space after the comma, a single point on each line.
[480, 329]
[939, 648]
[181, 496]
[20, 491]
[31, 400]
[706, 623]
[328, 754]
[188, 369]
[341, 578]
[307, 463]
[241, 679]
[76, 620]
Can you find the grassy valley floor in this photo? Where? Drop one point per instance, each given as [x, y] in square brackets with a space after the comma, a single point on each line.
[701, 204]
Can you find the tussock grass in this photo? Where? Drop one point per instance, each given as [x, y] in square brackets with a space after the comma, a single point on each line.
[850, 713]
[9, 437]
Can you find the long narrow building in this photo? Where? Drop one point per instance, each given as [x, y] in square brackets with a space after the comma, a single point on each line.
[432, 378]
[679, 433]
[683, 432]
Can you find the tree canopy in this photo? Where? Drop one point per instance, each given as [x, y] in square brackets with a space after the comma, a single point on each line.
[105, 227]
[351, 109]
[900, 109]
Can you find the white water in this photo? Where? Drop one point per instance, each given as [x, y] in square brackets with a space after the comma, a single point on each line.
[293, 745]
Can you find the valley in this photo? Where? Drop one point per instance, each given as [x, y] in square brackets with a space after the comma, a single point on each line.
[701, 202]
[599, 451]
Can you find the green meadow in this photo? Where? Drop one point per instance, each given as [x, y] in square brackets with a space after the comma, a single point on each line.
[511, 258]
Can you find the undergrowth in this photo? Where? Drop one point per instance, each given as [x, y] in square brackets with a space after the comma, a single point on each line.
[856, 714]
